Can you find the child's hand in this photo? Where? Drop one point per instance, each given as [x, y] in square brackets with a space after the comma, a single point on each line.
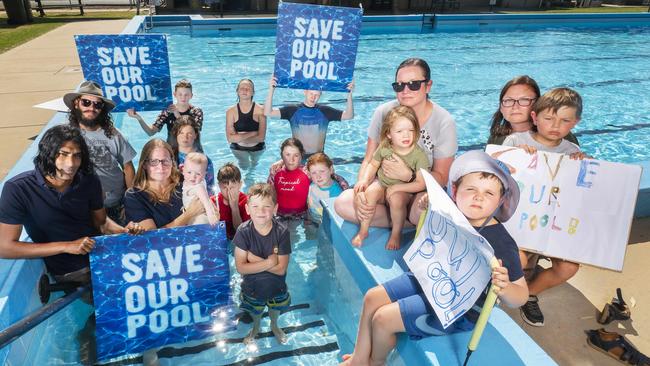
[252, 258]
[213, 219]
[172, 109]
[423, 202]
[273, 82]
[131, 112]
[133, 228]
[233, 194]
[276, 167]
[500, 278]
[360, 187]
[529, 149]
[351, 86]
[273, 260]
[579, 155]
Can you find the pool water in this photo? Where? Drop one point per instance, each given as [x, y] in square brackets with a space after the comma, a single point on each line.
[609, 68]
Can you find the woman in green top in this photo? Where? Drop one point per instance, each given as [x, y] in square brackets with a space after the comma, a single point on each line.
[513, 115]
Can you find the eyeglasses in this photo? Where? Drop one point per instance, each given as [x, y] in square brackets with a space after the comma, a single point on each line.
[156, 162]
[87, 103]
[413, 85]
[524, 102]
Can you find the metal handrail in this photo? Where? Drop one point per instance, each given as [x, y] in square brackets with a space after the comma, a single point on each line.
[24, 325]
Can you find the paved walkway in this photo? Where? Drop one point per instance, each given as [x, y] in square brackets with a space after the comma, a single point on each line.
[48, 67]
[40, 70]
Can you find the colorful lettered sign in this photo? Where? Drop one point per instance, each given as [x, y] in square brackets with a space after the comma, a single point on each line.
[133, 69]
[316, 46]
[158, 288]
[450, 260]
[578, 210]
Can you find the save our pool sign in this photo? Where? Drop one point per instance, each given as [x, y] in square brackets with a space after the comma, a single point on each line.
[158, 288]
[316, 46]
[578, 210]
[449, 259]
[132, 69]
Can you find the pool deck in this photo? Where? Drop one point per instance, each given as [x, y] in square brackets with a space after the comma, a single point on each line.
[27, 81]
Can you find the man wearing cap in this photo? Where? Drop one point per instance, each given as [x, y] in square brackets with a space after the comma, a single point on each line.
[109, 151]
[60, 205]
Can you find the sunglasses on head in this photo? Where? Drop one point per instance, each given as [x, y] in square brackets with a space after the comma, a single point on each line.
[87, 103]
[413, 85]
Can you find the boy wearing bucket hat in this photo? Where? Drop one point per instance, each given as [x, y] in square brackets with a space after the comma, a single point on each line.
[110, 152]
[487, 195]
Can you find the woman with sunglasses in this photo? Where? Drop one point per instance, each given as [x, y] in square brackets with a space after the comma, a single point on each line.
[437, 138]
[155, 200]
[513, 115]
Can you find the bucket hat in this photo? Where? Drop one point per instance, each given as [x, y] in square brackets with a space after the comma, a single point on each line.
[479, 161]
[87, 88]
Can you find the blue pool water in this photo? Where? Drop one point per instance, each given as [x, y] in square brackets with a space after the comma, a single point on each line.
[608, 67]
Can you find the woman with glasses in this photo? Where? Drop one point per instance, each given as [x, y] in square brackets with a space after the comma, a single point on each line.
[155, 200]
[513, 115]
[437, 138]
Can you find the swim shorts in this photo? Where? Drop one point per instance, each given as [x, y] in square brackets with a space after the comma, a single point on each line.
[256, 307]
[419, 319]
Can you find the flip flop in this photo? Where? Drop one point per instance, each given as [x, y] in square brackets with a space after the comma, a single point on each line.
[616, 346]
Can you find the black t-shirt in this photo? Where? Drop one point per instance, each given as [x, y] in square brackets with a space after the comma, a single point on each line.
[138, 206]
[49, 216]
[505, 248]
[264, 285]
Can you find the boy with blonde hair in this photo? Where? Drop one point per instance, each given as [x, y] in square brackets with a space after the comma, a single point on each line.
[262, 249]
[554, 115]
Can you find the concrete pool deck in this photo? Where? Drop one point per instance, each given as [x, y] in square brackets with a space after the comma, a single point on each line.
[48, 67]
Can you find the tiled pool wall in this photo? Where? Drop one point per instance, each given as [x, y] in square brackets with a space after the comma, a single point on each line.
[19, 278]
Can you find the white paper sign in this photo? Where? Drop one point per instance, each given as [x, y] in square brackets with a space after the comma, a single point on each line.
[578, 210]
[448, 257]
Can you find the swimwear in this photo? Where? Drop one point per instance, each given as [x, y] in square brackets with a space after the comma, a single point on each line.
[256, 307]
[246, 123]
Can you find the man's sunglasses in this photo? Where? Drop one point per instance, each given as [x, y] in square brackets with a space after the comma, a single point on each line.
[87, 103]
[413, 85]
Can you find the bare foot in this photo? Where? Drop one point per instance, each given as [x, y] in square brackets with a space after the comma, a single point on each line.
[393, 243]
[279, 335]
[250, 338]
[357, 241]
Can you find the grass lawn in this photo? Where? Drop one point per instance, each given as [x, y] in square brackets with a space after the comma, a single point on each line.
[13, 35]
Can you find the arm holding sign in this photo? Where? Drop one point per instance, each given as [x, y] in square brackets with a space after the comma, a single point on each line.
[12, 248]
[149, 129]
[348, 113]
[269, 111]
[512, 293]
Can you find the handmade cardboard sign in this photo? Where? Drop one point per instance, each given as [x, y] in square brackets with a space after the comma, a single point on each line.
[316, 46]
[450, 260]
[132, 69]
[578, 210]
[158, 288]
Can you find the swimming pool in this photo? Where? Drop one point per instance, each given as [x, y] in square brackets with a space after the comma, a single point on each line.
[608, 67]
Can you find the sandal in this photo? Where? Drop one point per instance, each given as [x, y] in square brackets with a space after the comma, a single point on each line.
[616, 346]
[617, 310]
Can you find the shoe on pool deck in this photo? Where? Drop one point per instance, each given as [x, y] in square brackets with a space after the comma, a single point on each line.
[531, 313]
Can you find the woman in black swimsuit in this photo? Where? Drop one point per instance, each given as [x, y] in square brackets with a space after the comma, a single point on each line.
[246, 127]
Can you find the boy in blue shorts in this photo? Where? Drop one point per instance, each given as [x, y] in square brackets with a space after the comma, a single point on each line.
[262, 249]
[487, 195]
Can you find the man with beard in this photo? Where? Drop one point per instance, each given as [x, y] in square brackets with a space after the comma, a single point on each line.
[109, 151]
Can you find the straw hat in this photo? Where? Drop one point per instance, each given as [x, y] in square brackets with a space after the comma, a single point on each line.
[479, 161]
[88, 88]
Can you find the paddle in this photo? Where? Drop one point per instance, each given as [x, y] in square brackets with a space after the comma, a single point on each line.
[485, 311]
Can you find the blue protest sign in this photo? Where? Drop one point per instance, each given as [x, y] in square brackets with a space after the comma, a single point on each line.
[158, 288]
[133, 69]
[316, 46]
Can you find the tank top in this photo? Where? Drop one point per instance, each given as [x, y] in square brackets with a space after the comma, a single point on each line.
[245, 121]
